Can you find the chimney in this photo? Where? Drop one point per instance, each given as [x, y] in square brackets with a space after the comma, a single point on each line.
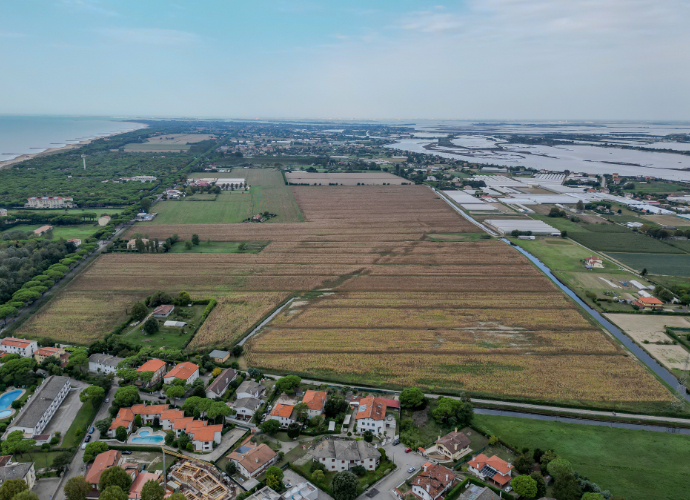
[456, 429]
[427, 487]
[439, 438]
[446, 478]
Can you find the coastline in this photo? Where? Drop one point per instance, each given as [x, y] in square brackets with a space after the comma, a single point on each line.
[66, 147]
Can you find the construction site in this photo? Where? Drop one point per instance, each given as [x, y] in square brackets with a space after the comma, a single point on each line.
[199, 481]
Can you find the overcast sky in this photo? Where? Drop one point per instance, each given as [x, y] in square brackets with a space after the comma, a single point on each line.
[472, 59]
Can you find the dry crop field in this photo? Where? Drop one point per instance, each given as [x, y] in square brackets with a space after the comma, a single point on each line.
[345, 179]
[386, 304]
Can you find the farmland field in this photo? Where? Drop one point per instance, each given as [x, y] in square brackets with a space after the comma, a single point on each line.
[158, 147]
[656, 263]
[621, 242]
[268, 193]
[374, 178]
[632, 464]
[380, 303]
[219, 247]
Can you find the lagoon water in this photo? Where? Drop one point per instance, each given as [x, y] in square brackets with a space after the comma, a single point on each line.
[33, 134]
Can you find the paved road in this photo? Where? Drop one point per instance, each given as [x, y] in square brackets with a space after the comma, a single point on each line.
[404, 461]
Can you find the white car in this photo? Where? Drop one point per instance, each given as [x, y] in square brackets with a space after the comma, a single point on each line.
[508, 489]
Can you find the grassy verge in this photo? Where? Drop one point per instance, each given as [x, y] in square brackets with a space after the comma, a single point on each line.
[82, 421]
[634, 464]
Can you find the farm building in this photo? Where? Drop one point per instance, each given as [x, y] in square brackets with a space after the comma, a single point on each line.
[42, 230]
[163, 311]
[219, 356]
[507, 226]
[648, 303]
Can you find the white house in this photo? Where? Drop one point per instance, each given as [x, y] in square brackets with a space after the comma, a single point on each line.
[104, 363]
[221, 383]
[432, 482]
[315, 401]
[186, 371]
[371, 415]
[252, 460]
[25, 348]
[15, 470]
[250, 389]
[341, 454]
[283, 414]
[246, 407]
[204, 437]
[41, 407]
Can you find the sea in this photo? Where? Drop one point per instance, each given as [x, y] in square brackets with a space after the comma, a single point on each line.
[21, 135]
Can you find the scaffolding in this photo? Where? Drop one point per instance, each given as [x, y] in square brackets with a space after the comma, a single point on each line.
[201, 483]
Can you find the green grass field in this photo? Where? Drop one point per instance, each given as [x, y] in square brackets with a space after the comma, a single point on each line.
[637, 465]
[201, 197]
[268, 193]
[659, 187]
[560, 223]
[73, 211]
[82, 421]
[145, 147]
[622, 242]
[171, 338]
[220, 247]
[42, 459]
[672, 265]
[81, 231]
[561, 254]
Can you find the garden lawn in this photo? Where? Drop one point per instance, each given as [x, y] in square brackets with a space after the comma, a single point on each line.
[82, 421]
[172, 337]
[637, 465]
[42, 459]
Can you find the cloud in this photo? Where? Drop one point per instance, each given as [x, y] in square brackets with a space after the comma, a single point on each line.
[431, 22]
[91, 6]
[149, 36]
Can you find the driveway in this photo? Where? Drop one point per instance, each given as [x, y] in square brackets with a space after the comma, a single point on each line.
[404, 461]
[46, 488]
[68, 410]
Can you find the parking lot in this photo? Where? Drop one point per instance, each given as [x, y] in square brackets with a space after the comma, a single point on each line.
[404, 461]
[67, 412]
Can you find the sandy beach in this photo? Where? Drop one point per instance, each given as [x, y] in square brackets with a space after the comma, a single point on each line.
[49, 151]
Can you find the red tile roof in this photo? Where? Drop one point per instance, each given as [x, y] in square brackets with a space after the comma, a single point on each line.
[182, 371]
[314, 399]
[206, 433]
[49, 351]
[371, 407]
[282, 410]
[102, 462]
[181, 423]
[124, 417]
[172, 414]
[434, 479]
[140, 481]
[152, 365]
[143, 409]
[494, 462]
[164, 309]
[650, 301]
[13, 342]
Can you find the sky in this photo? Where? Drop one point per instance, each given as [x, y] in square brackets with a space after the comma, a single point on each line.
[402, 59]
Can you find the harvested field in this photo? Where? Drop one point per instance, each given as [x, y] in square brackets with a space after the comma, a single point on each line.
[367, 179]
[386, 304]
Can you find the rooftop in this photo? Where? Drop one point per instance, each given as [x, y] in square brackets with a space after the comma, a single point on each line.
[183, 371]
[314, 399]
[257, 457]
[371, 407]
[343, 449]
[14, 342]
[152, 365]
[40, 401]
[218, 354]
[454, 441]
[249, 403]
[15, 471]
[282, 410]
[105, 359]
[102, 462]
[222, 381]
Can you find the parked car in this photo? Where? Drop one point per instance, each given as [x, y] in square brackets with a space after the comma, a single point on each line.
[83, 446]
[407, 450]
[396, 442]
[508, 489]
[92, 430]
[161, 397]
[411, 469]
[126, 452]
[107, 400]
[88, 438]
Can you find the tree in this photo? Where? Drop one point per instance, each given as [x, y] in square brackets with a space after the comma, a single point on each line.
[126, 396]
[77, 488]
[453, 412]
[196, 404]
[644, 272]
[368, 436]
[113, 493]
[195, 240]
[524, 486]
[151, 326]
[580, 206]
[287, 384]
[218, 409]
[188, 245]
[230, 467]
[358, 470]
[301, 412]
[559, 467]
[139, 311]
[523, 463]
[62, 461]
[103, 425]
[92, 393]
[137, 420]
[115, 476]
[567, 488]
[334, 406]
[216, 372]
[159, 298]
[318, 476]
[177, 496]
[145, 204]
[345, 485]
[121, 434]
[15, 443]
[270, 426]
[146, 377]
[412, 398]
[237, 350]
[184, 298]
[175, 391]
[26, 495]
[94, 449]
[293, 430]
[541, 484]
[152, 490]
[546, 459]
[274, 478]
[11, 488]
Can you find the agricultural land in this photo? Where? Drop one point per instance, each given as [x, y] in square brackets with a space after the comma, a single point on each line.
[344, 179]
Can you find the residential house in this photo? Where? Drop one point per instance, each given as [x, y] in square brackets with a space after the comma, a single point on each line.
[221, 383]
[169, 417]
[371, 415]
[315, 401]
[104, 220]
[50, 202]
[245, 408]
[203, 438]
[132, 244]
[219, 356]
[104, 363]
[594, 262]
[283, 414]
[432, 482]
[156, 366]
[180, 425]
[42, 230]
[494, 470]
[250, 389]
[141, 479]
[149, 414]
[124, 418]
[453, 445]
[186, 371]
[14, 470]
[75, 241]
[252, 460]
[103, 461]
[41, 407]
[25, 348]
[163, 311]
[648, 303]
[341, 454]
[43, 353]
[474, 492]
[3, 212]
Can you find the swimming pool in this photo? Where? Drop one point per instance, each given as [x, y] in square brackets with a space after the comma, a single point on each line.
[6, 400]
[144, 437]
